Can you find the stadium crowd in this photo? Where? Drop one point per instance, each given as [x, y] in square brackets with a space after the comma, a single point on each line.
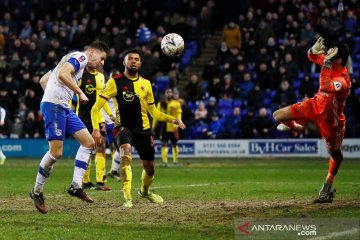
[261, 63]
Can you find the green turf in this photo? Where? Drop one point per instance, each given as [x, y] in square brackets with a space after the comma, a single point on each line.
[203, 199]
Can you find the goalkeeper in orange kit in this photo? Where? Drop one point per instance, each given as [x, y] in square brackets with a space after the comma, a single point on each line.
[169, 131]
[325, 108]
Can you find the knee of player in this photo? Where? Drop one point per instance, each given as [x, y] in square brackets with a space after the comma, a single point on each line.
[276, 115]
[126, 159]
[90, 144]
[56, 154]
[150, 171]
[126, 149]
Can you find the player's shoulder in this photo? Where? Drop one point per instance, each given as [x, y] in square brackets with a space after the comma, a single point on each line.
[80, 56]
[144, 81]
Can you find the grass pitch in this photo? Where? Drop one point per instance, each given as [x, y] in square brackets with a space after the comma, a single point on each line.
[203, 199]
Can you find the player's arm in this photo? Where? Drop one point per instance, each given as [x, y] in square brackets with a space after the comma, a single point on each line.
[158, 115]
[44, 80]
[158, 107]
[316, 52]
[99, 89]
[96, 113]
[108, 92]
[327, 83]
[162, 117]
[65, 76]
[108, 111]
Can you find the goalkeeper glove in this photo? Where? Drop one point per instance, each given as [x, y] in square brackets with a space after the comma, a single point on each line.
[328, 57]
[318, 47]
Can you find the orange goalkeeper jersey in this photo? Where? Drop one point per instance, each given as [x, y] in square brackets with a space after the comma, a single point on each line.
[334, 89]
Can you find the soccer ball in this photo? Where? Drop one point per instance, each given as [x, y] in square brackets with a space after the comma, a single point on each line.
[172, 44]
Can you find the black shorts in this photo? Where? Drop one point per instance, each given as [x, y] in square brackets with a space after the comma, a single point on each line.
[166, 136]
[142, 140]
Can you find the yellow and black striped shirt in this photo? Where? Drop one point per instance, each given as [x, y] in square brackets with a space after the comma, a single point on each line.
[92, 84]
[133, 98]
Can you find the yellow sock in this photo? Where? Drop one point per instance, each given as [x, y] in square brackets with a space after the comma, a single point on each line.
[126, 175]
[164, 151]
[86, 178]
[100, 166]
[146, 181]
[175, 152]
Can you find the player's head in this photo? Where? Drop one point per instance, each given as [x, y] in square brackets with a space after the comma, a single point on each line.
[132, 60]
[169, 93]
[343, 52]
[97, 52]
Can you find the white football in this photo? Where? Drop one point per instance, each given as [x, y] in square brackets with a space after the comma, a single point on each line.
[172, 44]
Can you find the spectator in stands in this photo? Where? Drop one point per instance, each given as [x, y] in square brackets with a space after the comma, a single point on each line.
[31, 100]
[307, 88]
[222, 53]
[307, 34]
[263, 57]
[143, 34]
[265, 77]
[262, 33]
[17, 128]
[257, 97]
[249, 24]
[30, 126]
[193, 89]
[228, 90]
[238, 73]
[232, 35]
[201, 112]
[214, 127]
[349, 22]
[231, 127]
[285, 95]
[291, 67]
[248, 124]
[211, 70]
[215, 87]
[6, 101]
[245, 86]
[211, 109]
[263, 124]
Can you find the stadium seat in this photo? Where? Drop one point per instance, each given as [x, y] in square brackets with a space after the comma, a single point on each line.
[225, 103]
[296, 84]
[160, 84]
[357, 92]
[301, 75]
[224, 112]
[237, 103]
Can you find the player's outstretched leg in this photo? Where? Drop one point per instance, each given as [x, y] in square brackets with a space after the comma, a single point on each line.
[36, 194]
[39, 201]
[144, 191]
[289, 125]
[326, 195]
[81, 163]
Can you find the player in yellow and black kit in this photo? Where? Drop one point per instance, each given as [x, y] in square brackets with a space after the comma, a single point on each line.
[133, 98]
[92, 83]
[169, 131]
